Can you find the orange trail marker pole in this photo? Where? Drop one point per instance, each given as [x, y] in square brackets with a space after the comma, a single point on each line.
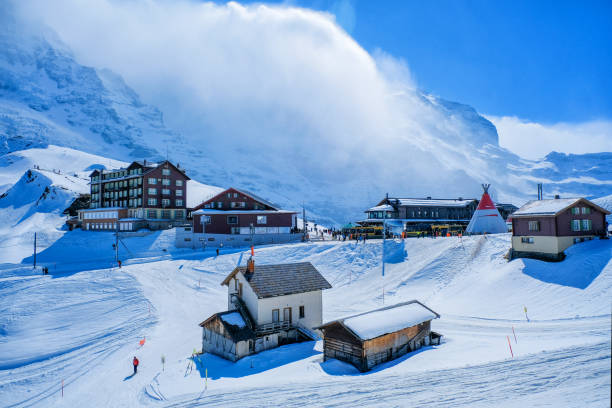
[510, 345]
[514, 335]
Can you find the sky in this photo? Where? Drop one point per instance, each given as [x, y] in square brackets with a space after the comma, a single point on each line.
[540, 71]
[526, 65]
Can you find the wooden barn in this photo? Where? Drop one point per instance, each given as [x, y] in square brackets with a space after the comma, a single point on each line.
[368, 339]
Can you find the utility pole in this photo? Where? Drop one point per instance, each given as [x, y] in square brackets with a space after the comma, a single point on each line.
[34, 250]
[252, 230]
[304, 221]
[117, 242]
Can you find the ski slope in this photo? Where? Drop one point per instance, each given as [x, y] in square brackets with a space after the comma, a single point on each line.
[84, 327]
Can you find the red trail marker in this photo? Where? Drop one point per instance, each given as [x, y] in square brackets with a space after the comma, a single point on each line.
[510, 345]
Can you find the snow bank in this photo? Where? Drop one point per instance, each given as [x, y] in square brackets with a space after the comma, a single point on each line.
[234, 318]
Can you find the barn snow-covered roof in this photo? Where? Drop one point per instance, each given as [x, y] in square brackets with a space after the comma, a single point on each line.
[376, 323]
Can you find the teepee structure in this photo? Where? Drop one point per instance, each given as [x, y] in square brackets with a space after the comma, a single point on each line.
[486, 218]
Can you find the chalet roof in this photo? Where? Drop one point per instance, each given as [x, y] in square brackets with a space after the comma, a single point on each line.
[551, 207]
[378, 322]
[383, 207]
[257, 198]
[234, 325]
[209, 211]
[429, 202]
[282, 279]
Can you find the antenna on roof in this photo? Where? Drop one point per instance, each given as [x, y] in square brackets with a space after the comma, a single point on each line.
[485, 187]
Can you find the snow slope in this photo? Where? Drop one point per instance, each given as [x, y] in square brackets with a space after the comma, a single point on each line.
[561, 356]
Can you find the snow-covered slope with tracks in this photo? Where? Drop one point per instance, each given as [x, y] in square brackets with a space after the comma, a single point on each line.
[561, 355]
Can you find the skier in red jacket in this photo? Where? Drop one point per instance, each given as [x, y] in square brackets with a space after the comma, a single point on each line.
[135, 362]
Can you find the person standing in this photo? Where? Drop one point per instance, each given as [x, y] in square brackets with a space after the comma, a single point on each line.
[135, 362]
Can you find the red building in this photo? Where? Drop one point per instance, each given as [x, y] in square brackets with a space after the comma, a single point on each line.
[141, 194]
[545, 228]
[233, 216]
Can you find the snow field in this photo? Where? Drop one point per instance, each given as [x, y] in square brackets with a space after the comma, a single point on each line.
[563, 352]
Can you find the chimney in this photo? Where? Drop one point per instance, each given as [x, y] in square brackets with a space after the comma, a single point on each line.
[145, 162]
[429, 197]
[557, 196]
[460, 198]
[251, 265]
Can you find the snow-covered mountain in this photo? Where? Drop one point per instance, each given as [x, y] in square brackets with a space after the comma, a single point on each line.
[443, 149]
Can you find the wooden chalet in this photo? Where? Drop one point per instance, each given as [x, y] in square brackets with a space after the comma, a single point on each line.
[238, 218]
[368, 339]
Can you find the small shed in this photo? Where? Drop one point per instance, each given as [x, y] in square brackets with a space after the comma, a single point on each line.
[371, 338]
[227, 335]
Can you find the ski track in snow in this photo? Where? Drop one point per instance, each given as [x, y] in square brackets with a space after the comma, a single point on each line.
[84, 327]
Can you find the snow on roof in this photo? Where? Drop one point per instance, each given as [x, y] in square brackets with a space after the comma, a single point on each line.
[433, 202]
[544, 207]
[390, 319]
[384, 207]
[234, 319]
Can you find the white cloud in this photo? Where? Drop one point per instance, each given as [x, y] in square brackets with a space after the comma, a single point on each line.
[534, 140]
[282, 95]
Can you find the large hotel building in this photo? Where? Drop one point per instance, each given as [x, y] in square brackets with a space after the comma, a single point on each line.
[143, 194]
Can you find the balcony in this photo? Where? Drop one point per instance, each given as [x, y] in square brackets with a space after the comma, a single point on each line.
[267, 328]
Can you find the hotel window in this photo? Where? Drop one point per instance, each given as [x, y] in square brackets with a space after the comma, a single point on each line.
[587, 225]
[165, 172]
[165, 191]
[232, 204]
[178, 214]
[219, 204]
[178, 203]
[575, 225]
[179, 183]
[243, 204]
[152, 191]
[207, 219]
[166, 182]
[575, 210]
[166, 214]
[586, 210]
[302, 312]
[534, 225]
[229, 195]
[179, 193]
[152, 180]
[152, 201]
[275, 315]
[151, 214]
[527, 240]
[165, 202]
[235, 195]
[262, 219]
[232, 219]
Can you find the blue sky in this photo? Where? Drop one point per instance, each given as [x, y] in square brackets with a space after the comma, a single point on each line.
[541, 61]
